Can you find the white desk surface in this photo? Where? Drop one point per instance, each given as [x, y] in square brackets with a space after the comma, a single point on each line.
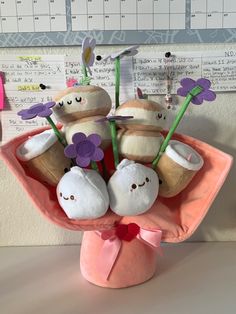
[192, 278]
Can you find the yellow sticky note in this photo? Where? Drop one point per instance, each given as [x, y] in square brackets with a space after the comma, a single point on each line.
[30, 58]
[29, 88]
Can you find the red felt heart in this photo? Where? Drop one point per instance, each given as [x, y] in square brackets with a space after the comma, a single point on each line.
[121, 231]
[133, 229]
[127, 232]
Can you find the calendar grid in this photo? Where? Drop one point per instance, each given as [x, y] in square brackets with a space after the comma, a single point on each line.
[17, 16]
[206, 14]
[222, 17]
[30, 23]
[136, 14]
[24, 16]
[1, 19]
[49, 10]
[120, 12]
[33, 11]
[128, 15]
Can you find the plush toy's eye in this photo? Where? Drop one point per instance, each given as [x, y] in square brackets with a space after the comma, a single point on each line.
[60, 194]
[147, 179]
[164, 117]
[159, 115]
[72, 197]
[78, 99]
[134, 186]
[160, 181]
[69, 102]
[66, 170]
[61, 103]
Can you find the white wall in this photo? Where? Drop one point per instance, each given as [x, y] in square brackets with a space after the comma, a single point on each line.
[215, 123]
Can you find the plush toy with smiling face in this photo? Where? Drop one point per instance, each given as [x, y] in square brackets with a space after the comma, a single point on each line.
[77, 108]
[132, 189]
[82, 194]
[147, 115]
[139, 138]
[79, 102]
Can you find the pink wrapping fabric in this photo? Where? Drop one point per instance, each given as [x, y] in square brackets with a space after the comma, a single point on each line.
[177, 217]
[135, 263]
[112, 246]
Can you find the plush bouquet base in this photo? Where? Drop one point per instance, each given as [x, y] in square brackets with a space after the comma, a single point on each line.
[121, 251]
[116, 263]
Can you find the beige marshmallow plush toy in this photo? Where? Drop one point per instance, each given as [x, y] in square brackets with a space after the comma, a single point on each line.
[78, 107]
[140, 137]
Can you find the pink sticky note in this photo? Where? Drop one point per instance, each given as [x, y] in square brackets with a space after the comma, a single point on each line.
[2, 92]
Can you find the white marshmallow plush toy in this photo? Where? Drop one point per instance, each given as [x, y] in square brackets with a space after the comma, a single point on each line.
[82, 194]
[132, 189]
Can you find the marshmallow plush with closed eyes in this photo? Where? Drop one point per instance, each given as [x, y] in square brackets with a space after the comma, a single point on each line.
[78, 108]
[140, 138]
[147, 115]
[132, 189]
[82, 194]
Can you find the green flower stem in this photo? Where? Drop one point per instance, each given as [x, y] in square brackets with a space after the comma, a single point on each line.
[85, 73]
[117, 82]
[57, 132]
[94, 166]
[194, 92]
[104, 169]
[114, 142]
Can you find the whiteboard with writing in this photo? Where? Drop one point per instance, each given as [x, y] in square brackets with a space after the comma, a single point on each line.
[67, 22]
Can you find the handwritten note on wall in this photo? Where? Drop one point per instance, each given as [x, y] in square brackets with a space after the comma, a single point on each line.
[33, 69]
[151, 70]
[23, 74]
[17, 100]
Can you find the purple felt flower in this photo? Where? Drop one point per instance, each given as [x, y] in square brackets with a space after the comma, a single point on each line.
[88, 55]
[188, 84]
[114, 118]
[85, 149]
[38, 110]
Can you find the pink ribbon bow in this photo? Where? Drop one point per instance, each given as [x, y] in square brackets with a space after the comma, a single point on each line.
[113, 242]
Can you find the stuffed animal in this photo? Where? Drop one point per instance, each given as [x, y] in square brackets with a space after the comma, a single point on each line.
[37, 155]
[133, 188]
[139, 145]
[82, 194]
[177, 167]
[87, 126]
[140, 138]
[147, 115]
[80, 104]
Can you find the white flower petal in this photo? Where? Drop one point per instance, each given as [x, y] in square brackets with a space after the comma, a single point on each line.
[92, 43]
[130, 51]
[85, 42]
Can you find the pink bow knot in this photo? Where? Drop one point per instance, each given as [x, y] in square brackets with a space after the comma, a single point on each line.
[113, 241]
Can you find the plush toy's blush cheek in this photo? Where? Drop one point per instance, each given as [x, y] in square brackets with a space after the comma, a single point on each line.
[84, 101]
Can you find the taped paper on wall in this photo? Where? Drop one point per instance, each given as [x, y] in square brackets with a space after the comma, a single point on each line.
[23, 74]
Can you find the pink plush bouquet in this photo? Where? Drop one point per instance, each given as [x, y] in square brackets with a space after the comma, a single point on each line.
[119, 177]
